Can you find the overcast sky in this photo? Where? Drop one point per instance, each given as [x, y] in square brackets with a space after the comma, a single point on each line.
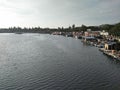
[58, 13]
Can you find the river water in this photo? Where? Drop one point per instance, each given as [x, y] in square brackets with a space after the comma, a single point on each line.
[47, 62]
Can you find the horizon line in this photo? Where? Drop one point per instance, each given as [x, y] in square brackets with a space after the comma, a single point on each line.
[22, 27]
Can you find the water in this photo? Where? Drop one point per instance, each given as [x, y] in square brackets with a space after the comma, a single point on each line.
[46, 62]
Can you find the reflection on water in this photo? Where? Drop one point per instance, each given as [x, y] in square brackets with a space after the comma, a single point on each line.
[46, 62]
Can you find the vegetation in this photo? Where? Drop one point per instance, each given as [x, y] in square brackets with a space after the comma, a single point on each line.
[112, 29]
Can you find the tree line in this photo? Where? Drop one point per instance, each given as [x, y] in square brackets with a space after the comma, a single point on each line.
[113, 29]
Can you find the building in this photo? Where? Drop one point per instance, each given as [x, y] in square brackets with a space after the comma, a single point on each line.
[103, 33]
[92, 33]
[87, 38]
[110, 45]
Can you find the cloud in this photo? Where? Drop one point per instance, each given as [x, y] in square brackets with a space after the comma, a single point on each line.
[54, 13]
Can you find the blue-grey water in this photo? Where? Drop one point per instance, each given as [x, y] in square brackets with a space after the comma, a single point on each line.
[47, 62]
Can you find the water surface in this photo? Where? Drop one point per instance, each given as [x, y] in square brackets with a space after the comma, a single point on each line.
[47, 62]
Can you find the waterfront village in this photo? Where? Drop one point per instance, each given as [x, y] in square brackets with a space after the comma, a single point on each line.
[106, 36]
[108, 44]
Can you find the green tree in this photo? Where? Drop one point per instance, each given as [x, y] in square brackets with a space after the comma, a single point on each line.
[83, 28]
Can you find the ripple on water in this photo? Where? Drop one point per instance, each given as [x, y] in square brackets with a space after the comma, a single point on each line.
[46, 62]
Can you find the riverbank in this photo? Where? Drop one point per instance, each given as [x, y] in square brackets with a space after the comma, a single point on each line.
[108, 45]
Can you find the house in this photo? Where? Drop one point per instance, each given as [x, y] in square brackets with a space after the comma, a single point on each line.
[92, 33]
[110, 45]
[103, 33]
[88, 38]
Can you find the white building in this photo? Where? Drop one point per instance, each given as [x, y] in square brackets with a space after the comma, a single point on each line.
[104, 33]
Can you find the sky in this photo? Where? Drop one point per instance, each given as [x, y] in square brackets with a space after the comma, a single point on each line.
[58, 13]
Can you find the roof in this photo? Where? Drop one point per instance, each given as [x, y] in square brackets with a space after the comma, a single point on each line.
[111, 43]
[87, 37]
